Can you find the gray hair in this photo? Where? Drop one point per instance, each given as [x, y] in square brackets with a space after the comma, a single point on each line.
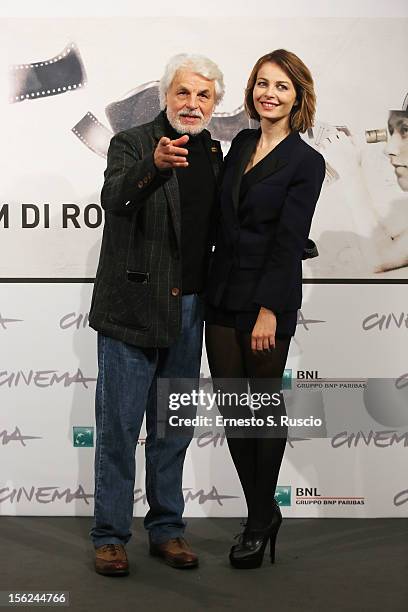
[199, 64]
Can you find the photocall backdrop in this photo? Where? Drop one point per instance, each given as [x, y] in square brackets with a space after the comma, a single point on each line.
[66, 87]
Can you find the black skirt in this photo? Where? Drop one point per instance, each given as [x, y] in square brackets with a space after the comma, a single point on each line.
[245, 321]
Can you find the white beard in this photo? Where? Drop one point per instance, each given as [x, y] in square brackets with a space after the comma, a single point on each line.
[177, 125]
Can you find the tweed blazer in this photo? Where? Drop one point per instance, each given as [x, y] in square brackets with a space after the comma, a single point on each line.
[137, 291]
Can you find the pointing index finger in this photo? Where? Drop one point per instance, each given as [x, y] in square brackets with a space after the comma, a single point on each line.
[180, 141]
[164, 141]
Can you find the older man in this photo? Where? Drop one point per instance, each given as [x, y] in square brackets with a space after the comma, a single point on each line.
[158, 198]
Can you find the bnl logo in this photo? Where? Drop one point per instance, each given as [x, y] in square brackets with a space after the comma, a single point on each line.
[283, 495]
[300, 374]
[83, 436]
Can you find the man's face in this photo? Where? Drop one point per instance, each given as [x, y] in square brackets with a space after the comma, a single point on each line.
[190, 102]
[397, 146]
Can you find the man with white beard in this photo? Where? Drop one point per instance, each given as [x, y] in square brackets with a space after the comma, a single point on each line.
[158, 197]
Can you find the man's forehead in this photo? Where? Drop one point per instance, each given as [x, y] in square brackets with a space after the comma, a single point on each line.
[189, 78]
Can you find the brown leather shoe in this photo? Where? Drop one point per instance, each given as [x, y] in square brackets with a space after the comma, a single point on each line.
[111, 560]
[175, 552]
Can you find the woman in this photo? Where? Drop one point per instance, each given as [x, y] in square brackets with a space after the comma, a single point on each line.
[271, 183]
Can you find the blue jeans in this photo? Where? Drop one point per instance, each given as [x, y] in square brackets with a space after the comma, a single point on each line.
[126, 389]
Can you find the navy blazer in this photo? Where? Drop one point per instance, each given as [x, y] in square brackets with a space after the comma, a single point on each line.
[262, 232]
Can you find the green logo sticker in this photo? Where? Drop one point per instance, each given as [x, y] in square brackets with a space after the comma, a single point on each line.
[83, 436]
[287, 379]
[283, 496]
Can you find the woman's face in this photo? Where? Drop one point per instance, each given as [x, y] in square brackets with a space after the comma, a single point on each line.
[397, 146]
[274, 94]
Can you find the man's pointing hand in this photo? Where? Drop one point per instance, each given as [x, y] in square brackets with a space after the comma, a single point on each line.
[170, 154]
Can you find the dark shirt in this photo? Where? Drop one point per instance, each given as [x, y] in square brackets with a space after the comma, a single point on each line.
[197, 194]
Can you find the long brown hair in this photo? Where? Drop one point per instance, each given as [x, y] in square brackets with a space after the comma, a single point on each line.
[302, 115]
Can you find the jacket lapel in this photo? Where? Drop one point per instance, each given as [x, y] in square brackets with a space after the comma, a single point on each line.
[267, 166]
[171, 187]
[214, 152]
[243, 158]
[274, 161]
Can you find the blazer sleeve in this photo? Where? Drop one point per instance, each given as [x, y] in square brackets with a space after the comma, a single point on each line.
[129, 178]
[281, 270]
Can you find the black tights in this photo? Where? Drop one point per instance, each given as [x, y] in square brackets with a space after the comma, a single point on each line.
[257, 459]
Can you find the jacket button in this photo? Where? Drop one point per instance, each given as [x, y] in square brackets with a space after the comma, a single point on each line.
[175, 291]
[145, 180]
[140, 184]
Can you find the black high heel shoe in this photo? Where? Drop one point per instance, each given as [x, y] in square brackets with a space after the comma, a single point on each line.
[249, 552]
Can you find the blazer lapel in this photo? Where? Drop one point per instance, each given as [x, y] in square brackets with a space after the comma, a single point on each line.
[243, 158]
[214, 152]
[267, 166]
[274, 161]
[171, 187]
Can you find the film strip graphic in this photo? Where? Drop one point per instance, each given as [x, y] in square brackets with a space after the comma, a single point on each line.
[93, 134]
[141, 105]
[65, 72]
[62, 73]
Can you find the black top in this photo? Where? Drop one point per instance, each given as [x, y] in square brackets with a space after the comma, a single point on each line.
[197, 193]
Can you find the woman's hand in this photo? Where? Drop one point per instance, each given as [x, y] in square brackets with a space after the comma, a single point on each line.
[263, 334]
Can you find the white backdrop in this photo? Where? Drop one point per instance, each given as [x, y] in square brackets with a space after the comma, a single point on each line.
[49, 169]
[47, 352]
[47, 382]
